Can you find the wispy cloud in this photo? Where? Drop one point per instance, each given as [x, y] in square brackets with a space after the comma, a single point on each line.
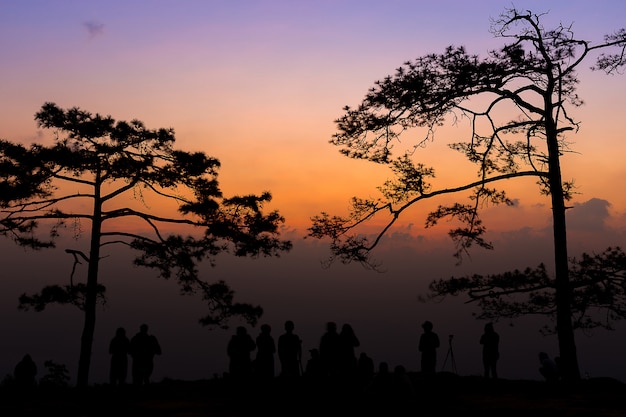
[94, 28]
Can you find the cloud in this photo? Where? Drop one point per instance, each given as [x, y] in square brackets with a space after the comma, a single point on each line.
[591, 215]
[94, 28]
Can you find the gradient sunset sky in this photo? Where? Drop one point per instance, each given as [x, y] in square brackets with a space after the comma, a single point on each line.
[258, 84]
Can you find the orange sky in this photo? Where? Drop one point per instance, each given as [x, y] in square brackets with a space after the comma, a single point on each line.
[259, 86]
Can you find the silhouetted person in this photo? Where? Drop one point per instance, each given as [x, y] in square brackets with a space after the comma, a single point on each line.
[491, 352]
[548, 368]
[119, 349]
[348, 343]
[382, 383]
[290, 352]
[365, 366]
[314, 369]
[239, 349]
[365, 369]
[266, 348]
[330, 349]
[314, 376]
[402, 386]
[143, 348]
[25, 372]
[429, 342]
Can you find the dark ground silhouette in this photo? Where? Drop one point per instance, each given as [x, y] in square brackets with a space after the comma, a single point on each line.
[446, 394]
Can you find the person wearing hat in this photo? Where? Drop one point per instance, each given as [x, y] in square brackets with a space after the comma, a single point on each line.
[429, 342]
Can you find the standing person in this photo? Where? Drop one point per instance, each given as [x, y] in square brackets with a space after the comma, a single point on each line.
[25, 372]
[548, 368]
[349, 342]
[330, 349]
[429, 342]
[239, 349]
[143, 348]
[119, 349]
[491, 352]
[290, 351]
[266, 348]
[365, 369]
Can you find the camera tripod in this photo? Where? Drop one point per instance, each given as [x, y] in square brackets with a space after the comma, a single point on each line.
[450, 355]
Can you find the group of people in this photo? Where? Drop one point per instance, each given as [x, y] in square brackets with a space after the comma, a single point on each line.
[336, 353]
[335, 356]
[142, 348]
[335, 363]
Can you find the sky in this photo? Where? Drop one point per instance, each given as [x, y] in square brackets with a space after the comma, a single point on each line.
[258, 85]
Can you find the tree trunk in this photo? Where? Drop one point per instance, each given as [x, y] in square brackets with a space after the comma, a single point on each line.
[568, 360]
[563, 293]
[91, 297]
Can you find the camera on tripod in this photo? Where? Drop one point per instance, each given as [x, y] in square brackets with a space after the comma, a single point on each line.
[450, 355]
